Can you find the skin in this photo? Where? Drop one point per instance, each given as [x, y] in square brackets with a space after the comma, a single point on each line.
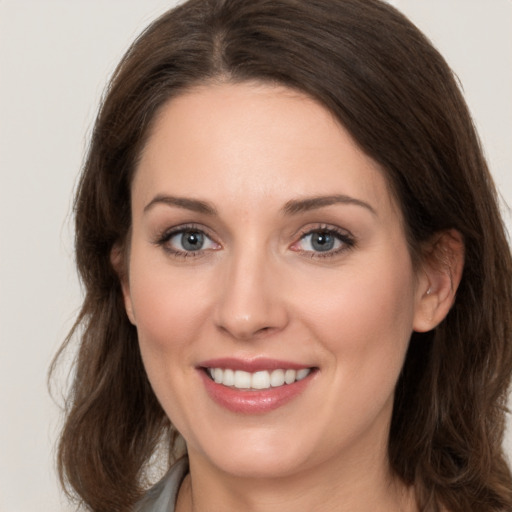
[257, 288]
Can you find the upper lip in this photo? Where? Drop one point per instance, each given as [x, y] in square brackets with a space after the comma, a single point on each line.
[252, 365]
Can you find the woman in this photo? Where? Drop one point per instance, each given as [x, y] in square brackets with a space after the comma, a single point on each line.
[294, 262]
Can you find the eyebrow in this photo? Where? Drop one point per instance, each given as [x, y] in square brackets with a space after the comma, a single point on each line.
[292, 207]
[194, 205]
[312, 203]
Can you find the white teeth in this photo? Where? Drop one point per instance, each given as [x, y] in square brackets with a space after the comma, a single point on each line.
[242, 379]
[258, 380]
[302, 374]
[228, 377]
[277, 378]
[289, 376]
[217, 375]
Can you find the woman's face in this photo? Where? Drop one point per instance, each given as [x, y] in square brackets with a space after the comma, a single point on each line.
[270, 282]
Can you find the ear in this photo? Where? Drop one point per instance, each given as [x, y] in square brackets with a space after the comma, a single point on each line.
[118, 259]
[438, 279]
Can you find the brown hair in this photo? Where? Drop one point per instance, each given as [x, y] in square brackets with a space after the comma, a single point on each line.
[383, 80]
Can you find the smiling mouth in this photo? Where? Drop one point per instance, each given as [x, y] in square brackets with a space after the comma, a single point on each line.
[263, 379]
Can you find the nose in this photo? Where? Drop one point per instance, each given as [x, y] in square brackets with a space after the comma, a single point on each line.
[251, 300]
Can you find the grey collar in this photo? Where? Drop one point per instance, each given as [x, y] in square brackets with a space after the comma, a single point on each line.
[162, 496]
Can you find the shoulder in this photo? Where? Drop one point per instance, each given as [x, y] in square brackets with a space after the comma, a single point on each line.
[162, 496]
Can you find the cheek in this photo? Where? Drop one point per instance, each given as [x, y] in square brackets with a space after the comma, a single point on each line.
[169, 306]
[169, 309]
[363, 321]
[364, 317]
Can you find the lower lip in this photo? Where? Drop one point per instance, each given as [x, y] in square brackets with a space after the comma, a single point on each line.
[253, 401]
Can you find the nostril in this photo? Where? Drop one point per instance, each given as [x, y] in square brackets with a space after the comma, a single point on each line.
[246, 316]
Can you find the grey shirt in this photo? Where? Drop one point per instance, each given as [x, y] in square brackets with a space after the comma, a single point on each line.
[162, 496]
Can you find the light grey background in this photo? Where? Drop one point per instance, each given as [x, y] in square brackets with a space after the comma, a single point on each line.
[55, 57]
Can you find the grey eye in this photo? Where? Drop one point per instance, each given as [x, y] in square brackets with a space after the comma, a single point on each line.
[191, 240]
[320, 241]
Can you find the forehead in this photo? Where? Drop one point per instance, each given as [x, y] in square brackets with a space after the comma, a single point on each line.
[255, 141]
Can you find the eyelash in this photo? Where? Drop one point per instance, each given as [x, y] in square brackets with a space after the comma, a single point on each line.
[164, 238]
[346, 240]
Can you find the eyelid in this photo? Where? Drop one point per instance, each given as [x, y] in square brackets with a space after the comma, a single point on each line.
[163, 237]
[345, 238]
[348, 241]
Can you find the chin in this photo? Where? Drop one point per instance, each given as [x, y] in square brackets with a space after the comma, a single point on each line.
[256, 455]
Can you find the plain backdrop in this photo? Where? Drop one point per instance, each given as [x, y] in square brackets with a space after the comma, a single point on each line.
[55, 58]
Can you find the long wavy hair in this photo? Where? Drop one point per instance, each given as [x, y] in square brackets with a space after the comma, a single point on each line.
[387, 85]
